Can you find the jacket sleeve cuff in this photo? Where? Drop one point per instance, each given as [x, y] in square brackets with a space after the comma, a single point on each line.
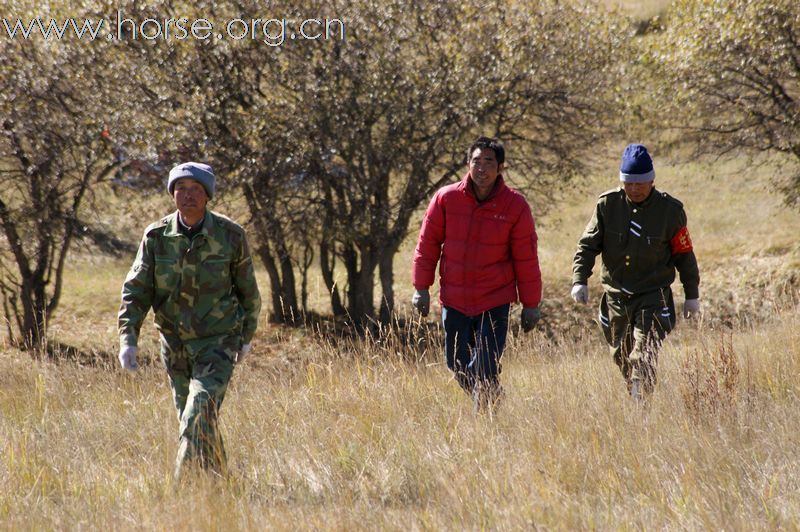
[691, 292]
[247, 336]
[529, 301]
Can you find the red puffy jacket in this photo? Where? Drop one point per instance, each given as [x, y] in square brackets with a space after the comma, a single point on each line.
[488, 249]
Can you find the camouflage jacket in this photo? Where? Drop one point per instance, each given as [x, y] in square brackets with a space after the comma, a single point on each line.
[197, 289]
[641, 245]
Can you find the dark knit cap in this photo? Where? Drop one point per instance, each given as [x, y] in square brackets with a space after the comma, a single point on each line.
[637, 166]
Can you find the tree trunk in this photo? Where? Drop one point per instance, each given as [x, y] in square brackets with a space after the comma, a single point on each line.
[361, 281]
[34, 314]
[362, 308]
[360, 286]
[308, 260]
[282, 289]
[274, 281]
[350, 258]
[327, 261]
[272, 250]
[387, 284]
[289, 309]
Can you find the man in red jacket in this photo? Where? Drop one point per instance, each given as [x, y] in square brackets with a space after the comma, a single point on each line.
[483, 235]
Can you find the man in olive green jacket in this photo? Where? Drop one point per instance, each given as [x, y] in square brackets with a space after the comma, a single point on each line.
[643, 238]
[195, 271]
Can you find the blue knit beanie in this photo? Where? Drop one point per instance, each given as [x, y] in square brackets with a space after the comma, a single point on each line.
[637, 166]
[202, 173]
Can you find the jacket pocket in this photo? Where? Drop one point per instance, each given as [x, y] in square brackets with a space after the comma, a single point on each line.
[614, 241]
[216, 269]
[214, 275]
[654, 251]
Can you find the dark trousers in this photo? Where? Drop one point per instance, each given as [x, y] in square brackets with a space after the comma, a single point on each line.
[635, 327]
[474, 344]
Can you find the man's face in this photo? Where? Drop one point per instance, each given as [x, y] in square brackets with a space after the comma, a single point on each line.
[484, 169]
[638, 192]
[190, 198]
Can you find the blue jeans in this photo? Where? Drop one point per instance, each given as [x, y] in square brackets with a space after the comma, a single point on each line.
[474, 344]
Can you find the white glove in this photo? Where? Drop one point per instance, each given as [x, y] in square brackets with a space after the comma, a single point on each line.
[691, 308]
[127, 357]
[242, 353]
[580, 293]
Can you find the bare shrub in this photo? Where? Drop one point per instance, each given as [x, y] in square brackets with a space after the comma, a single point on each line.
[710, 376]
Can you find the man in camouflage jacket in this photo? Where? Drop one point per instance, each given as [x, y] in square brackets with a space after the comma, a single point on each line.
[643, 238]
[194, 269]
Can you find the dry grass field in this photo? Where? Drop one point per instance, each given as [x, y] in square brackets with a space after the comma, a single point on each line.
[373, 436]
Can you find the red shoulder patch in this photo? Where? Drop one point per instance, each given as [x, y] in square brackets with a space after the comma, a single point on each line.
[681, 242]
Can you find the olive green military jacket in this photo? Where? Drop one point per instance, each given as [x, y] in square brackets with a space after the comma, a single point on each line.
[641, 245]
[197, 289]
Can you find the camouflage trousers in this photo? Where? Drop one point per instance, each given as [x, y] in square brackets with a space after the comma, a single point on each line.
[635, 327]
[199, 372]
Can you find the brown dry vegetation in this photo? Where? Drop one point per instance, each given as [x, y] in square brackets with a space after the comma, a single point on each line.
[366, 435]
[639, 9]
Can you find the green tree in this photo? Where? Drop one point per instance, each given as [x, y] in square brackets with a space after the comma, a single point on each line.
[726, 76]
[390, 111]
[54, 147]
[335, 143]
[221, 108]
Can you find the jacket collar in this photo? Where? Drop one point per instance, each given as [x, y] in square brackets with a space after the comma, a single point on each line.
[466, 187]
[645, 203]
[173, 229]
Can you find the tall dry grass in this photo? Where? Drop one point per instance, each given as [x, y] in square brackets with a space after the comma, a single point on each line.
[352, 441]
[375, 434]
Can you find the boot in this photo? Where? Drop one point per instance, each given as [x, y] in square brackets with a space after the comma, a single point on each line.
[636, 390]
[496, 394]
[480, 400]
[465, 381]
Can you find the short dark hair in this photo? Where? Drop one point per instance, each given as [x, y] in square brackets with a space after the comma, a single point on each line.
[487, 143]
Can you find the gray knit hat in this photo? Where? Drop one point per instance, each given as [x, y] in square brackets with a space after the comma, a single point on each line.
[202, 173]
